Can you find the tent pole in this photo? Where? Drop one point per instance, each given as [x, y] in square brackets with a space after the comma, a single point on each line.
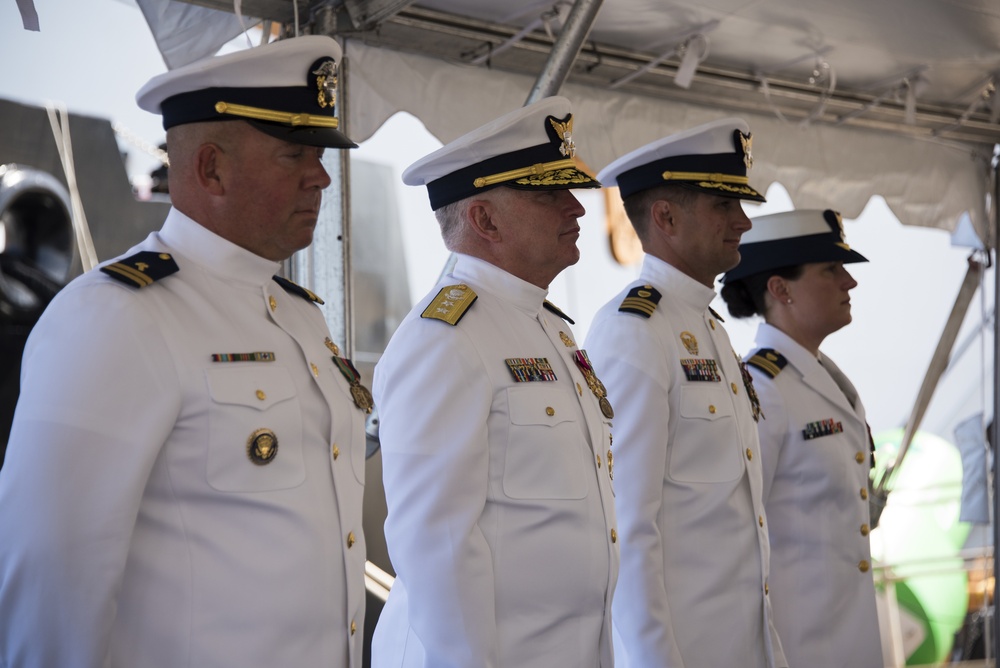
[995, 622]
[564, 51]
[935, 369]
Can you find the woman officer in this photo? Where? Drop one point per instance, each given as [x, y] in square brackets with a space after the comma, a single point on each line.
[816, 446]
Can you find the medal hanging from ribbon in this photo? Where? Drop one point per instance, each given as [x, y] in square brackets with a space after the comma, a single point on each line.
[362, 397]
[751, 392]
[593, 382]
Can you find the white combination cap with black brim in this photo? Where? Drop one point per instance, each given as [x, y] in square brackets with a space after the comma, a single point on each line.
[530, 148]
[713, 158]
[792, 238]
[286, 89]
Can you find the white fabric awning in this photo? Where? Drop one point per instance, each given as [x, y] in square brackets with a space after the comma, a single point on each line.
[925, 182]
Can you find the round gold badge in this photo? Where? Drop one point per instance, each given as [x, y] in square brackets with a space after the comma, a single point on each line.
[262, 446]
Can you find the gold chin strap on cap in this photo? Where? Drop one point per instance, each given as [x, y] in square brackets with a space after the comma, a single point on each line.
[705, 176]
[285, 117]
[533, 170]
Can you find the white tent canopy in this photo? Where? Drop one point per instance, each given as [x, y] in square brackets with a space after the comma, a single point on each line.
[925, 182]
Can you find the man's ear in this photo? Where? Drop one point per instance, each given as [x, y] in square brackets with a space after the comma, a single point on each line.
[479, 215]
[209, 168]
[661, 214]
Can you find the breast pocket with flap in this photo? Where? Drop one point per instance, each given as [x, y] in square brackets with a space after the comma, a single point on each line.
[705, 447]
[546, 452]
[252, 410]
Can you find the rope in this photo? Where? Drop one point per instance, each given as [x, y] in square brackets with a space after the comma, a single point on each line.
[59, 122]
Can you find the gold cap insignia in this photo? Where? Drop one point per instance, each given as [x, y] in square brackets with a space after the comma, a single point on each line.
[746, 142]
[565, 132]
[836, 223]
[326, 83]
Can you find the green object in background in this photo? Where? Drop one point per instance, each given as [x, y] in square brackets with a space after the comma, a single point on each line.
[919, 537]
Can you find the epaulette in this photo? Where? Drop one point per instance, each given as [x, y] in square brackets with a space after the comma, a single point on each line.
[715, 314]
[451, 303]
[769, 361]
[296, 289]
[641, 300]
[142, 269]
[555, 309]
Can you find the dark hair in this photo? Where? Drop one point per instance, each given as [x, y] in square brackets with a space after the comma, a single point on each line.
[637, 205]
[744, 297]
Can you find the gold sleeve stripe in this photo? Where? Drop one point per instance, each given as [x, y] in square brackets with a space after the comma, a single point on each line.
[643, 305]
[765, 365]
[135, 275]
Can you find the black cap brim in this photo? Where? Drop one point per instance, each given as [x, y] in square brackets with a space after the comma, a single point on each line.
[724, 190]
[791, 252]
[308, 136]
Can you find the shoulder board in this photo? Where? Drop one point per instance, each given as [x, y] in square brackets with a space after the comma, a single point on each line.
[769, 361]
[641, 300]
[451, 303]
[715, 314]
[555, 309]
[142, 269]
[296, 289]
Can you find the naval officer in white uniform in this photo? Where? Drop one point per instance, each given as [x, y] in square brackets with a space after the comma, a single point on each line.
[815, 443]
[184, 478]
[693, 586]
[494, 429]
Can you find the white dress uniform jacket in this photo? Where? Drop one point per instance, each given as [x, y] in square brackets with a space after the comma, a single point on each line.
[501, 519]
[136, 529]
[815, 453]
[694, 549]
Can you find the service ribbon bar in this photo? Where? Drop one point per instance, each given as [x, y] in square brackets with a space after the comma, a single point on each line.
[243, 357]
[527, 369]
[822, 428]
[701, 369]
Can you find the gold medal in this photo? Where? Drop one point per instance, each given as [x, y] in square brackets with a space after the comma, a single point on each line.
[362, 397]
[755, 410]
[606, 407]
[593, 382]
